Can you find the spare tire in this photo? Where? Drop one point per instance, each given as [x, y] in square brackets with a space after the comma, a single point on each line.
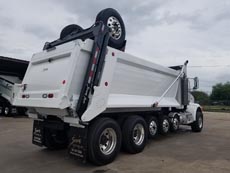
[69, 29]
[112, 19]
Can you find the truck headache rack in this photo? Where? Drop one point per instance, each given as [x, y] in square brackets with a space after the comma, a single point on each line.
[100, 34]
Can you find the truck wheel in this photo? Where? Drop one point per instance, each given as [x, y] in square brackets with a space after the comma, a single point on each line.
[197, 125]
[174, 126]
[134, 133]
[164, 125]
[21, 111]
[14, 111]
[152, 125]
[7, 110]
[73, 28]
[55, 139]
[112, 19]
[104, 141]
[1, 110]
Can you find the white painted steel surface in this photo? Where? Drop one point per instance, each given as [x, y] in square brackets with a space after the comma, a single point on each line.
[139, 83]
[7, 86]
[59, 72]
[132, 82]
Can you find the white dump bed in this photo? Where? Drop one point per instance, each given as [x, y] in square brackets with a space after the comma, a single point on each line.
[54, 80]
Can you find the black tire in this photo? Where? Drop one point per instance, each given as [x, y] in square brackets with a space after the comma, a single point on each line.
[152, 125]
[128, 132]
[164, 124]
[197, 125]
[1, 110]
[14, 111]
[174, 126]
[55, 139]
[98, 132]
[69, 29]
[21, 111]
[117, 38]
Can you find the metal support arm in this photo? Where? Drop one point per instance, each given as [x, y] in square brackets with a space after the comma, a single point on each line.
[170, 86]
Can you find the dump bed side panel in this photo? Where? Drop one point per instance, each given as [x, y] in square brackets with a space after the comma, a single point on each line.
[139, 83]
[131, 84]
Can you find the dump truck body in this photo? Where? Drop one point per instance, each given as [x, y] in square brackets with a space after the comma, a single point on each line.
[54, 80]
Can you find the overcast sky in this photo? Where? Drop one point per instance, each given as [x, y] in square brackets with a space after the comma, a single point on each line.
[167, 32]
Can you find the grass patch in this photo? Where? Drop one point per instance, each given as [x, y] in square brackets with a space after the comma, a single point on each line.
[216, 108]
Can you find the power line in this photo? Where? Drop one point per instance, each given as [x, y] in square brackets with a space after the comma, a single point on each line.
[209, 66]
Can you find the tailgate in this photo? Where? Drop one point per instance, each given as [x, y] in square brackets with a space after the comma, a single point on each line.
[46, 81]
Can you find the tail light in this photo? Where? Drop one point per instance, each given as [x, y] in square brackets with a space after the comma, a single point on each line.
[25, 96]
[51, 95]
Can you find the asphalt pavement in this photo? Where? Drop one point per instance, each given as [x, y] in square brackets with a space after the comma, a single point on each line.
[184, 151]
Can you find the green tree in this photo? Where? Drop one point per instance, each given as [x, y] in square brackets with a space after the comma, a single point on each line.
[201, 97]
[221, 92]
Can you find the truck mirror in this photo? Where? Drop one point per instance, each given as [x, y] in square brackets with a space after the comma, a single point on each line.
[196, 83]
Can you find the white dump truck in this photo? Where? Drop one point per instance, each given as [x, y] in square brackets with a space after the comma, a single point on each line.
[11, 71]
[86, 94]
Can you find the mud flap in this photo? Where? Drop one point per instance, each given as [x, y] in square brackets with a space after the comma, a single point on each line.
[38, 133]
[78, 143]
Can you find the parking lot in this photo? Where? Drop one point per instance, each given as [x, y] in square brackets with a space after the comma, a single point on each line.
[183, 151]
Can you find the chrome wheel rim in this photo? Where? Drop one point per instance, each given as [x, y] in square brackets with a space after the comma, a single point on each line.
[138, 134]
[152, 128]
[200, 122]
[6, 110]
[175, 123]
[165, 125]
[115, 27]
[107, 141]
